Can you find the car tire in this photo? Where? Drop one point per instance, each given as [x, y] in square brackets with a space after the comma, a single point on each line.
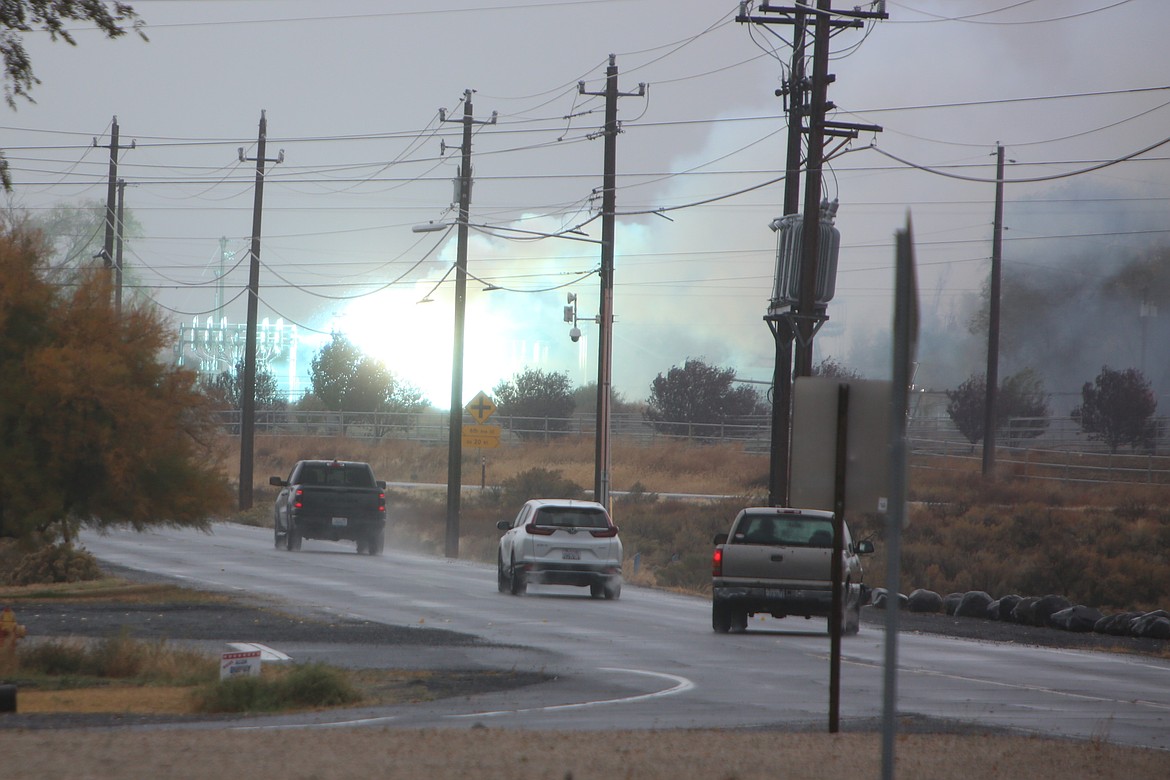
[612, 590]
[597, 589]
[501, 574]
[278, 536]
[720, 619]
[294, 537]
[362, 546]
[377, 542]
[517, 584]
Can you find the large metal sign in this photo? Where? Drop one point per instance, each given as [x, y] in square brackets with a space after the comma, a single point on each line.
[814, 444]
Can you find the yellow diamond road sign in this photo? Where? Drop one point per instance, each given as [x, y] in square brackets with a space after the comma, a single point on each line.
[481, 407]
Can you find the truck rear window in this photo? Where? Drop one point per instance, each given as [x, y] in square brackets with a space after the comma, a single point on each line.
[339, 475]
[788, 531]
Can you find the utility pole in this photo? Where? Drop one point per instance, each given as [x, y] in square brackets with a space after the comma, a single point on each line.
[107, 253]
[601, 482]
[455, 427]
[989, 409]
[248, 391]
[118, 246]
[807, 105]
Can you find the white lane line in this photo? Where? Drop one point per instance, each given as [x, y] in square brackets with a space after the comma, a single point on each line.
[336, 724]
[681, 685]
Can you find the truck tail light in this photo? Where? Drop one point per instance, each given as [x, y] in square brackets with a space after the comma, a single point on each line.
[539, 530]
[606, 533]
[297, 502]
[717, 562]
[381, 502]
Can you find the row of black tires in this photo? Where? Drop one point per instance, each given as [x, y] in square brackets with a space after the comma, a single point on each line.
[291, 540]
[511, 579]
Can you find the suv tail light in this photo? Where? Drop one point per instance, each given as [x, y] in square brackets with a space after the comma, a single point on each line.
[606, 533]
[717, 562]
[539, 530]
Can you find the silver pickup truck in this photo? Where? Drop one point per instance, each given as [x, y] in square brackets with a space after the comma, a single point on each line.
[778, 561]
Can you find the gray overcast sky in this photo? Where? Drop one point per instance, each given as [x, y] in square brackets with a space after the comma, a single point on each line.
[351, 90]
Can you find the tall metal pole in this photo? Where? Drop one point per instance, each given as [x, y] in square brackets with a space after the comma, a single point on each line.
[455, 432]
[248, 391]
[990, 415]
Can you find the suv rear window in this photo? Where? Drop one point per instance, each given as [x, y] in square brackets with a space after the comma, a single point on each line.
[566, 517]
[790, 531]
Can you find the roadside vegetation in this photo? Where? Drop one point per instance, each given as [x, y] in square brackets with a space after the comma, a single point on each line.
[1103, 545]
[123, 674]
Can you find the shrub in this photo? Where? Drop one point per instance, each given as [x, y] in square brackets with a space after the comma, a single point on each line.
[55, 563]
[297, 687]
[539, 483]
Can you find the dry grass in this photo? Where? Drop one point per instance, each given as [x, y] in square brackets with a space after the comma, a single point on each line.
[519, 755]
[724, 469]
[106, 589]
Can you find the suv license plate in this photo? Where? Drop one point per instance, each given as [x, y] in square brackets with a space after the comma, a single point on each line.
[571, 555]
[340, 522]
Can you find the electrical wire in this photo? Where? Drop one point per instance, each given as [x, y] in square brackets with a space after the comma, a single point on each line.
[1027, 180]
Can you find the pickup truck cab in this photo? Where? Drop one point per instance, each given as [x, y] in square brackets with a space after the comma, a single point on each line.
[330, 499]
[778, 561]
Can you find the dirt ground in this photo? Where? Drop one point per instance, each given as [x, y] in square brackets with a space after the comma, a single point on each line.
[124, 747]
[490, 753]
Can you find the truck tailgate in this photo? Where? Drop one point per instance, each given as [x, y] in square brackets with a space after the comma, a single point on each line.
[778, 565]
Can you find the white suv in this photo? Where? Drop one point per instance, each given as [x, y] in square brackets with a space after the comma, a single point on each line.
[560, 542]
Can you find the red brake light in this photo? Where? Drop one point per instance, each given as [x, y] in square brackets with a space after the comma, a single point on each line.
[606, 532]
[539, 530]
[381, 502]
[297, 503]
[717, 563]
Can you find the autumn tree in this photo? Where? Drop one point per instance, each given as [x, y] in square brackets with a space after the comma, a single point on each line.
[697, 394]
[52, 16]
[96, 428]
[346, 379]
[533, 393]
[1116, 408]
[1020, 395]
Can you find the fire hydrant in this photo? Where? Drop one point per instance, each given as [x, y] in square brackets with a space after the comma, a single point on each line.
[10, 633]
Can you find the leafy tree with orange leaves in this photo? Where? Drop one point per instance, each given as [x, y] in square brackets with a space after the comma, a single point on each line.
[96, 428]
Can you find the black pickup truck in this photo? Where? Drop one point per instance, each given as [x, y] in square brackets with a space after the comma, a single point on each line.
[330, 499]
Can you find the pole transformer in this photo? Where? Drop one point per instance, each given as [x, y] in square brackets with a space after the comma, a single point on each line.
[807, 104]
